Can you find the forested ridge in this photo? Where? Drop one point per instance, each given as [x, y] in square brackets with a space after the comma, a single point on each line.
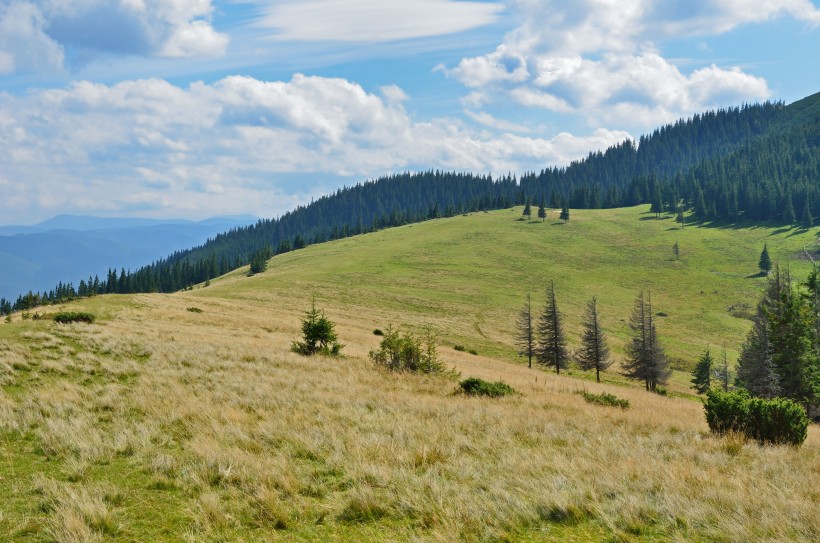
[757, 162]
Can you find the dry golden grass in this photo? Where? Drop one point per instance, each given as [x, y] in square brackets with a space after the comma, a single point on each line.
[160, 414]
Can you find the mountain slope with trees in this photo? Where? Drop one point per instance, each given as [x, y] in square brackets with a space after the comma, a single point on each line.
[751, 163]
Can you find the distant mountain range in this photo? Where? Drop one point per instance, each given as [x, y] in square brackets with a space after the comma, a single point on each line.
[68, 248]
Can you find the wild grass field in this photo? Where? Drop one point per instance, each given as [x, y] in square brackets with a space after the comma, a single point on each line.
[161, 423]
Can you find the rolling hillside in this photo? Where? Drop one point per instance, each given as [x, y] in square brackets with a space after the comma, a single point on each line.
[185, 417]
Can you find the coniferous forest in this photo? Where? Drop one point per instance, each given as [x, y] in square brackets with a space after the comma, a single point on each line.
[746, 164]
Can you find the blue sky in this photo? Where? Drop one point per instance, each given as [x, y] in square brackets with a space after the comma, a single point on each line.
[196, 108]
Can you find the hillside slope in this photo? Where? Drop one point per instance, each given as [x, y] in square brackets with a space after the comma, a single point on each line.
[469, 275]
[185, 417]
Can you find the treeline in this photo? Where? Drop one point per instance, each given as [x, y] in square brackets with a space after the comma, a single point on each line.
[756, 162]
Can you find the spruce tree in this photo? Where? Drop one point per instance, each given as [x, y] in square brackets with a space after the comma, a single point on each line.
[565, 213]
[702, 374]
[527, 210]
[525, 328]
[755, 369]
[551, 350]
[765, 263]
[676, 250]
[646, 360]
[594, 352]
[542, 211]
[788, 214]
[806, 220]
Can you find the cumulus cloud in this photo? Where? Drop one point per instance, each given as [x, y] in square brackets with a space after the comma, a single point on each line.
[35, 35]
[236, 144]
[599, 58]
[374, 20]
[24, 46]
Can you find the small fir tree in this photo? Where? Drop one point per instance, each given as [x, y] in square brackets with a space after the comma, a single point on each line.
[676, 250]
[594, 352]
[765, 262]
[318, 335]
[702, 374]
[552, 344]
[542, 211]
[565, 213]
[527, 209]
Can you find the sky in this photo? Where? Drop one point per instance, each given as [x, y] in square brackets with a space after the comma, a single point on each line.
[198, 108]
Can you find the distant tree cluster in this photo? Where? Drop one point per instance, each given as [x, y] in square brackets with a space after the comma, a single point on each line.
[543, 338]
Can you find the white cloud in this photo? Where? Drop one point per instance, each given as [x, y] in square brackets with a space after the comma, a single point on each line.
[599, 58]
[24, 46]
[237, 145]
[374, 20]
[34, 34]
[482, 117]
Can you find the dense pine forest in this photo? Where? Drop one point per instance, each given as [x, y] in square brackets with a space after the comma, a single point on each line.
[752, 163]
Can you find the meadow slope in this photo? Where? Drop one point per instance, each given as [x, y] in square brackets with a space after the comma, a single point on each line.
[159, 423]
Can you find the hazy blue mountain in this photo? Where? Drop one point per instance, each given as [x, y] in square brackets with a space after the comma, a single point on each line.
[68, 248]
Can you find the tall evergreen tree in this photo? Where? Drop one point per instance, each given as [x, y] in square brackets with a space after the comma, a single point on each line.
[525, 328]
[806, 219]
[552, 344]
[594, 352]
[702, 374]
[542, 211]
[646, 360]
[788, 214]
[755, 369]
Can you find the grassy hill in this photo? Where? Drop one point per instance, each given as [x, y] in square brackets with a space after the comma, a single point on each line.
[185, 417]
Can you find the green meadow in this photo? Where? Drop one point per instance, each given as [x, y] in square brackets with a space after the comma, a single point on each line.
[187, 418]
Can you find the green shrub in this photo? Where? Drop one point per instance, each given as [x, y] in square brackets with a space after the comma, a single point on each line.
[661, 391]
[406, 352]
[460, 348]
[778, 421]
[473, 386]
[378, 332]
[605, 398]
[65, 317]
[473, 352]
[195, 310]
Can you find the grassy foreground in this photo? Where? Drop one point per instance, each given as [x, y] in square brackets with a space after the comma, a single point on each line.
[159, 423]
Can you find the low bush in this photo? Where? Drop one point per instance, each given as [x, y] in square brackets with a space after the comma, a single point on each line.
[473, 386]
[605, 398]
[195, 310]
[777, 420]
[473, 352]
[460, 348]
[378, 332]
[66, 317]
[406, 352]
